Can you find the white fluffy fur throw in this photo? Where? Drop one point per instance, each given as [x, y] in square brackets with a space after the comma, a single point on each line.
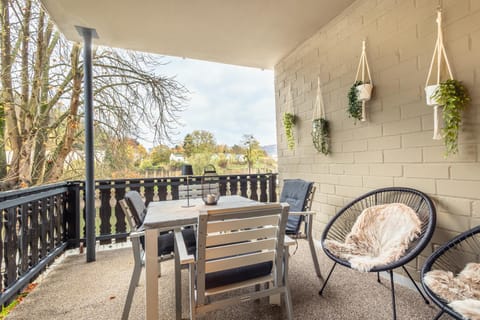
[381, 235]
[461, 291]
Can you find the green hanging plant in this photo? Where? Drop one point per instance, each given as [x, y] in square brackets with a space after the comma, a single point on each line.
[453, 97]
[289, 120]
[354, 105]
[321, 135]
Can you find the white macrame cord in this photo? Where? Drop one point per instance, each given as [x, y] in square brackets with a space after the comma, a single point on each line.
[439, 53]
[363, 66]
[319, 109]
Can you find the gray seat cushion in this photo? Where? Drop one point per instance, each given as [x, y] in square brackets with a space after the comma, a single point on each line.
[166, 242]
[295, 192]
[226, 277]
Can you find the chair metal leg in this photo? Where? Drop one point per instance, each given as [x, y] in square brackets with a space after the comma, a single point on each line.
[439, 314]
[393, 296]
[287, 295]
[193, 302]
[288, 303]
[137, 270]
[378, 277]
[415, 284]
[312, 247]
[326, 280]
[159, 269]
[178, 284]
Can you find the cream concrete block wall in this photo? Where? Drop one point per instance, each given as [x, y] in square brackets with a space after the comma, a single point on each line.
[394, 147]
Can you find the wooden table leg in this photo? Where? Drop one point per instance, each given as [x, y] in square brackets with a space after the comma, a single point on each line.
[151, 274]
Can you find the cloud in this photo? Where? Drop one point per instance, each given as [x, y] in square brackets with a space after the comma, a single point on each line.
[227, 100]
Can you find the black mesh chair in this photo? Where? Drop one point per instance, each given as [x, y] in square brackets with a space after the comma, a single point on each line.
[341, 224]
[299, 195]
[452, 256]
[135, 211]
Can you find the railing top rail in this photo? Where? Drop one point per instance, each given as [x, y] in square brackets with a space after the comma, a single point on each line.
[4, 195]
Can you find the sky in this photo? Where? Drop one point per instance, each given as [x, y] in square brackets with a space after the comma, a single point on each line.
[228, 101]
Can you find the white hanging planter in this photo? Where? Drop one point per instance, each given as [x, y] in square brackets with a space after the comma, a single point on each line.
[320, 125]
[364, 91]
[429, 93]
[363, 86]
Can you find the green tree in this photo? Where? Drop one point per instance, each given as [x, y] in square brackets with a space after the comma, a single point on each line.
[120, 157]
[160, 155]
[199, 141]
[253, 152]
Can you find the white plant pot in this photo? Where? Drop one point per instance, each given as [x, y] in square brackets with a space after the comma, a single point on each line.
[429, 92]
[364, 91]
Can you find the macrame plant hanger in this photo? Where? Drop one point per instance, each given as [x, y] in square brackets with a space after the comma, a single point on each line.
[320, 126]
[438, 54]
[365, 89]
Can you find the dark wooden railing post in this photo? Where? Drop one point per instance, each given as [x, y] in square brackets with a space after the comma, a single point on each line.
[263, 189]
[244, 185]
[10, 245]
[149, 191]
[34, 235]
[233, 185]
[253, 187]
[174, 183]
[162, 189]
[223, 185]
[120, 225]
[24, 238]
[272, 188]
[71, 216]
[105, 210]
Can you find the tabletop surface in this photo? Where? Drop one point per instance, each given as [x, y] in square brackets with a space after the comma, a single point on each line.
[169, 214]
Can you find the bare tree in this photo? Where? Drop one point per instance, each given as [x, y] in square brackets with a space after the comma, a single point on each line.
[41, 105]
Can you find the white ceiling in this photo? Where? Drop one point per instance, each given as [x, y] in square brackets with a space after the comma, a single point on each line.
[255, 33]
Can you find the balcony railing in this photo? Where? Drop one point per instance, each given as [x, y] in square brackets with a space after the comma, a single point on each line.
[39, 223]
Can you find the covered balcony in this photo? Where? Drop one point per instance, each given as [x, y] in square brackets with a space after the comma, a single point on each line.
[310, 45]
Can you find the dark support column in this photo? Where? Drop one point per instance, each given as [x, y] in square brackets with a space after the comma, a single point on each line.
[88, 34]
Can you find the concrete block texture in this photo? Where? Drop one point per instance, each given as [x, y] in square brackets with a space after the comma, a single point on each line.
[394, 147]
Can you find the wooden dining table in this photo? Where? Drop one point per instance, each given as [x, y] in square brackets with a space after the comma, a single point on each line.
[168, 215]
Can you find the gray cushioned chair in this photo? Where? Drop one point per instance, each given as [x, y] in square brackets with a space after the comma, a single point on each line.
[135, 211]
[299, 195]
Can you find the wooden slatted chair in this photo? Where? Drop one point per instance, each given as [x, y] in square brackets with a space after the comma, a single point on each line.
[452, 257]
[341, 224]
[135, 210]
[237, 248]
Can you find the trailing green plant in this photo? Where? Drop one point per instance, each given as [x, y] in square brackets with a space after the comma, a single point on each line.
[289, 120]
[321, 135]
[453, 97]
[354, 105]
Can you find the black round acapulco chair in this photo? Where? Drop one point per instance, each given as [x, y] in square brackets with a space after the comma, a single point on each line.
[452, 256]
[341, 224]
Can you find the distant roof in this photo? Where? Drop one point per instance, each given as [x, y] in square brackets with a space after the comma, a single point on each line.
[255, 33]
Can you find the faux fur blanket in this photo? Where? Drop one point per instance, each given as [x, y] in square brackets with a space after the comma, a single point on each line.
[381, 235]
[461, 291]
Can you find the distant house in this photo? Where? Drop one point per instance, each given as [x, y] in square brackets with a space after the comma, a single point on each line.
[177, 157]
[240, 158]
